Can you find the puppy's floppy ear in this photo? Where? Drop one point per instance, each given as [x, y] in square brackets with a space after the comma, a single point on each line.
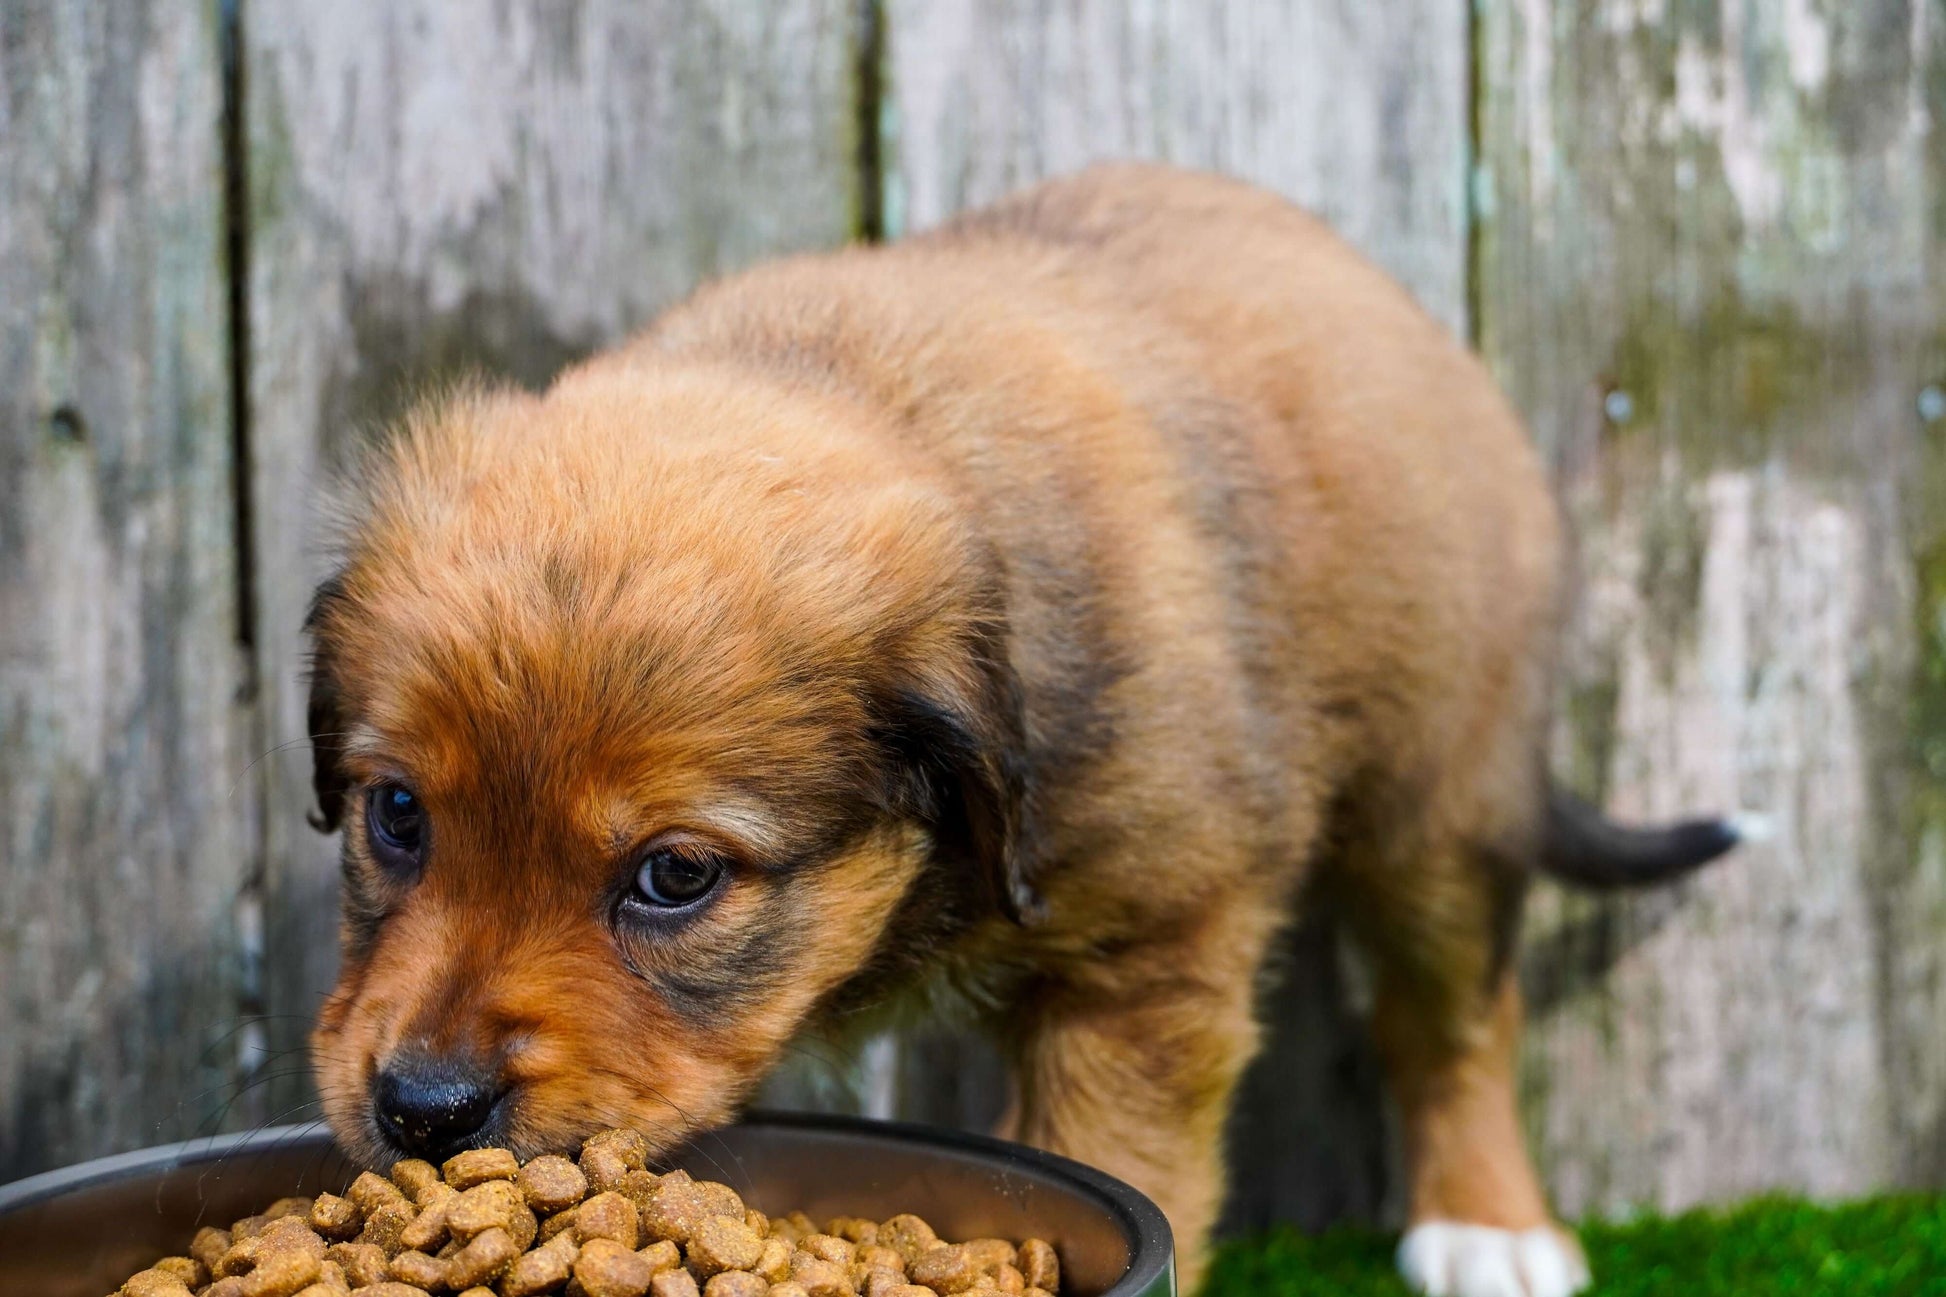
[324, 717]
[958, 745]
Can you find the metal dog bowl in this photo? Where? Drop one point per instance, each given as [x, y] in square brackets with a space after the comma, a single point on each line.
[80, 1231]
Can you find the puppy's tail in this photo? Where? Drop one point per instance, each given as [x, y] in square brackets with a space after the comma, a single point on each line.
[1581, 846]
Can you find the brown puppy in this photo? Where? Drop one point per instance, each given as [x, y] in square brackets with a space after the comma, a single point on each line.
[1030, 607]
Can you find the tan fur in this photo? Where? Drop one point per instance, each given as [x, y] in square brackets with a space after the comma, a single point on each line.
[1211, 558]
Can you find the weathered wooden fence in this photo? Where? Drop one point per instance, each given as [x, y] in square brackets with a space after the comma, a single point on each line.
[1700, 243]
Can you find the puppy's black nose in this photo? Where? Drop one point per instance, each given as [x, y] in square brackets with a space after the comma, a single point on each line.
[432, 1108]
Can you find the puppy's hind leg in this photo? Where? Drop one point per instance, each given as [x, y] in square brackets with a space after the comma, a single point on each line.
[1438, 912]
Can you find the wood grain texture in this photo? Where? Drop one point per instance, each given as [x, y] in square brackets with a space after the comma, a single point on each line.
[1710, 276]
[1358, 111]
[123, 840]
[436, 188]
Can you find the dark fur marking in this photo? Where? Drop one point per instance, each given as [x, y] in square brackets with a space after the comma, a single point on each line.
[324, 719]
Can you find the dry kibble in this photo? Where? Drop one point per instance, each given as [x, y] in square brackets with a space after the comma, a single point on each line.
[485, 1225]
[723, 1243]
[607, 1269]
[604, 1168]
[209, 1245]
[335, 1218]
[155, 1283]
[945, 1270]
[478, 1165]
[610, 1216]
[370, 1193]
[385, 1224]
[491, 1204]
[629, 1145]
[829, 1247]
[853, 1229]
[551, 1183]
[1038, 1265]
[774, 1262]
[674, 1283]
[193, 1273]
[909, 1236]
[820, 1278]
[990, 1253]
[281, 1273]
[362, 1262]
[486, 1256]
[428, 1229]
[427, 1272]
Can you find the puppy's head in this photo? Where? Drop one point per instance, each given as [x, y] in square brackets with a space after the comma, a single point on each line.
[657, 713]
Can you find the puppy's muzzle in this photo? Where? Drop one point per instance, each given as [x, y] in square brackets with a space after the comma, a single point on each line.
[433, 1107]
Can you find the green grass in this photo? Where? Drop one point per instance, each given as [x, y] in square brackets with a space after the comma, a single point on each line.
[1775, 1247]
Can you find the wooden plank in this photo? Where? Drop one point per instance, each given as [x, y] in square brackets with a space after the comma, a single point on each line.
[1356, 110]
[123, 842]
[1359, 111]
[439, 187]
[1710, 275]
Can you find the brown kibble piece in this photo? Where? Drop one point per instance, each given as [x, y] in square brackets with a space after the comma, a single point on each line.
[387, 1288]
[478, 1165]
[675, 1208]
[559, 1222]
[281, 1272]
[414, 1176]
[154, 1283]
[335, 1218]
[426, 1231]
[736, 1283]
[370, 1193]
[1038, 1265]
[876, 1256]
[877, 1283]
[478, 1292]
[425, 1271]
[607, 1269]
[629, 1145]
[945, 1270]
[829, 1247]
[193, 1273]
[209, 1245]
[551, 1183]
[486, 1256]
[231, 1287]
[362, 1263]
[788, 1288]
[758, 1221]
[721, 1199]
[661, 1255]
[1037, 1292]
[820, 1277]
[248, 1227]
[793, 1227]
[491, 1204]
[288, 1207]
[1007, 1279]
[604, 1168]
[853, 1229]
[909, 1236]
[610, 1216]
[384, 1225]
[332, 1275]
[911, 1290]
[545, 1268]
[990, 1253]
[674, 1283]
[774, 1263]
[723, 1243]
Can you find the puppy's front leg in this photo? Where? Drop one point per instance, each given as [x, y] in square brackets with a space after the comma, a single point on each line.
[1131, 1068]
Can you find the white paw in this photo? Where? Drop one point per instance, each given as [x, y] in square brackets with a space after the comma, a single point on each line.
[1444, 1259]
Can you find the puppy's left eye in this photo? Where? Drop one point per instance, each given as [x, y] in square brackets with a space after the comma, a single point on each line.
[669, 879]
[398, 824]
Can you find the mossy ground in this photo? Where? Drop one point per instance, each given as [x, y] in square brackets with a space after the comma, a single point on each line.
[1769, 1248]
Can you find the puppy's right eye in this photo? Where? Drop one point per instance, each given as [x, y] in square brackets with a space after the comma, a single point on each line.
[397, 825]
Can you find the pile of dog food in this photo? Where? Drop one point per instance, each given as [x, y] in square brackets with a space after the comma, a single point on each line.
[484, 1225]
